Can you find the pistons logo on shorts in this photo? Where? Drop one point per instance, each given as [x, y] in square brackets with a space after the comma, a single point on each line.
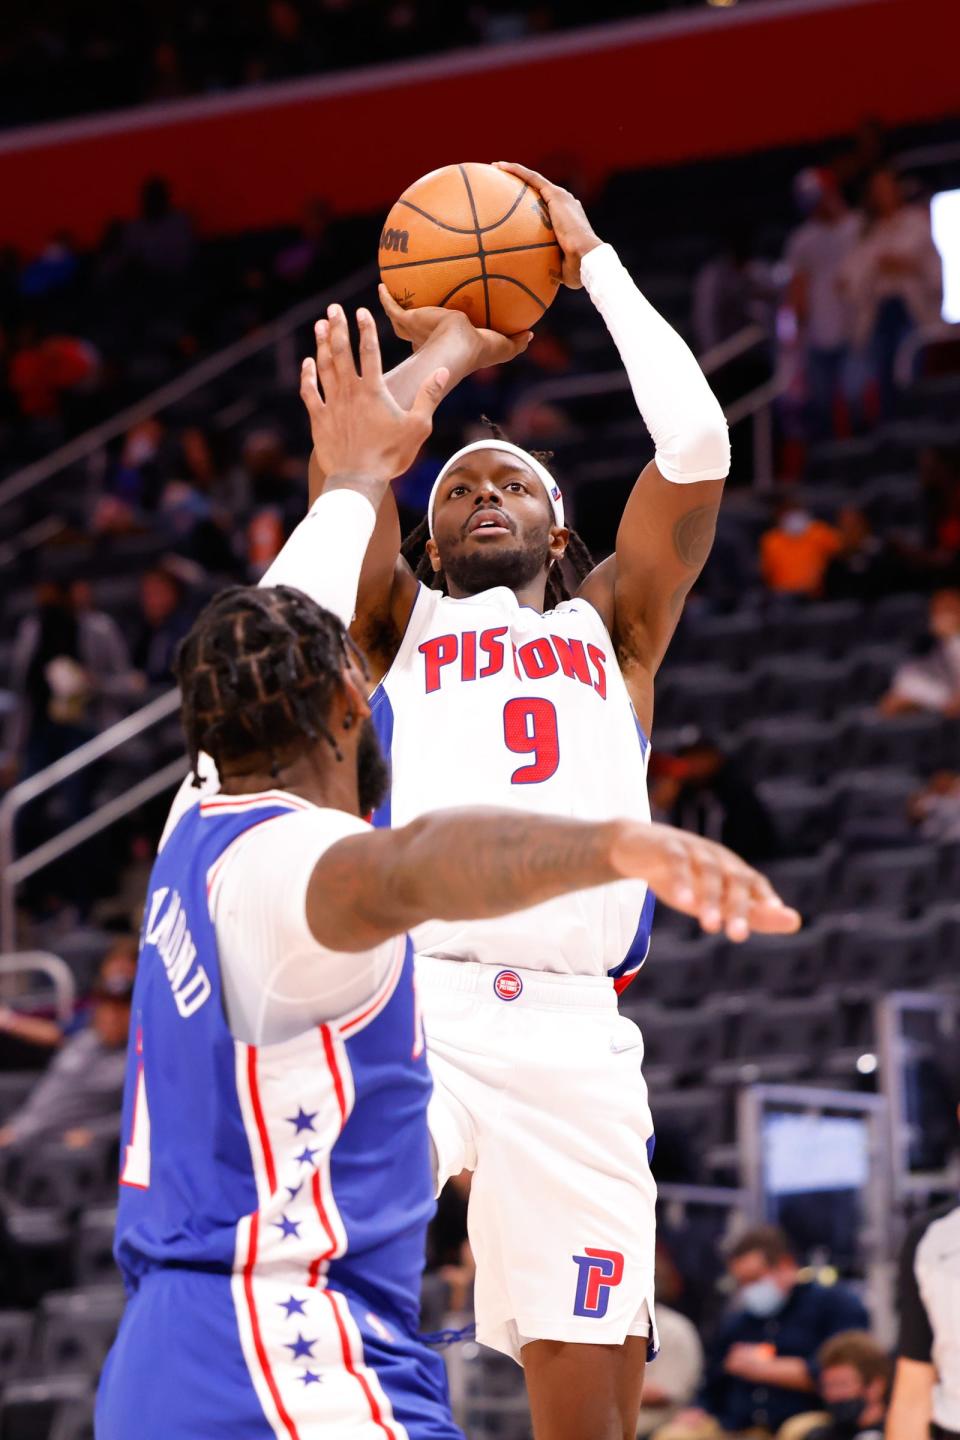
[597, 1273]
[507, 985]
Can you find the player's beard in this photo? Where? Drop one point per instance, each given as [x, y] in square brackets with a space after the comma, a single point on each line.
[373, 772]
[513, 566]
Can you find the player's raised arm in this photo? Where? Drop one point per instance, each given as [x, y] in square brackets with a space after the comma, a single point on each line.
[440, 338]
[472, 864]
[668, 524]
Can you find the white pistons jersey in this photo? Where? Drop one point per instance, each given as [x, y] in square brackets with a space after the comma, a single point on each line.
[488, 702]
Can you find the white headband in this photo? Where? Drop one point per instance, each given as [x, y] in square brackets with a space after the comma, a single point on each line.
[541, 472]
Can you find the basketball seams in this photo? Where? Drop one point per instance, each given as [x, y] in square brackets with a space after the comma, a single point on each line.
[467, 229]
[471, 255]
[475, 280]
[483, 263]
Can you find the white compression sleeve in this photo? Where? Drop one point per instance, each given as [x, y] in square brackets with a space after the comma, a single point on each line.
[324, 555]
[680, 410]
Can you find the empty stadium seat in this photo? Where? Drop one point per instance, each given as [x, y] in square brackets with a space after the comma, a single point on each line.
[30, 1408]
[780, 1040]
[55, 1175]
[804, 685]
[680, 972]
[75, 1329]
[901, 881]
[15, 1086]
[803, 814]
[871, 801]
[882, 953]
[16, 1328]
[831, 628]
[700, 1117]
[93, 1255]
[783, 965]
[676, 1042]
[735, 642]
[807, 881]
[897, 619]
[904, 742]
[75, 1421]
[704, 696]
[778, 749]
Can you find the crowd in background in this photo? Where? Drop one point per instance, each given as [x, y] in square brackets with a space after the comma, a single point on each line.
[57, 60]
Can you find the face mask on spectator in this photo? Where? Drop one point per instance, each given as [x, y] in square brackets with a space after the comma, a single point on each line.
[845, 1414]
[794, 522]
[762, 1298]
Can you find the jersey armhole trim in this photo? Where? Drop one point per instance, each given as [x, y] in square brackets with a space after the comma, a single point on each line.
[409, 637]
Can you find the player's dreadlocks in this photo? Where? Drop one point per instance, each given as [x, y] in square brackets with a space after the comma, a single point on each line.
[257, 673]
[577, 557]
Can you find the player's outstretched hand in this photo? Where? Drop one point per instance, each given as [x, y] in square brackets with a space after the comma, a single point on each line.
[704, 880]
[575, 235]
[418, 325]
[357, 426]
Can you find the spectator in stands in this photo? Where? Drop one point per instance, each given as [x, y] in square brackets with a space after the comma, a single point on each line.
[79, 1098]
[926, 1387]
[72, 676]
[893, 280]
[931, 681]
[935, 810]
[299, 265]
[729, 292]
[795, 553]
[166, 614]
[853, 1384]
[159, 243]
[673, 1381]
[761, 1365]
[866, 565]
[816, 253]
[701, 789]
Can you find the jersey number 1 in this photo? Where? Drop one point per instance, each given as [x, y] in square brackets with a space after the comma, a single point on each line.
[530, 728]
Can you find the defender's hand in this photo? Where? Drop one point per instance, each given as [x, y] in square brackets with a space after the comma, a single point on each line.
[419, 325]
[575, 235]
[703, 879]
[357, 427]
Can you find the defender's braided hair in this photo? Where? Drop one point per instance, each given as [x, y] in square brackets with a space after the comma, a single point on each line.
[577, 556]
[257, 673]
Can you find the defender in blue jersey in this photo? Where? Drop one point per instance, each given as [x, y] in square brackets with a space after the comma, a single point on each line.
[276, 1176]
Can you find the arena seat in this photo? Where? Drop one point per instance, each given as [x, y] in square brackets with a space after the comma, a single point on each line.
[75, 1329]
[875, 802]
[93, 1252]
[905, 742]
[804, 815]
[16, 1328]
[783, 965]
[681, 972]
[700, 1117]
[806, 685]
[685, 1044]
[705, 696]
[54, 1175]
[779, 1040]
[883, 953]
[781, 748]
[806, 882]
[898, 619]
[30, 1408]
[900, 881]
[734, 641]
[15, 1086]
[829, 627]
[75, 1421]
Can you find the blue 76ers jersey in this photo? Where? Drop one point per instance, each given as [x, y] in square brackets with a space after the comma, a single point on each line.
[488, 702]
[305, 1162]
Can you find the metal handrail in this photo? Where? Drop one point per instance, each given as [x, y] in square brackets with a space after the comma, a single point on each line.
[11, 871]
[603, 382]
[87, 444]
[57, 970]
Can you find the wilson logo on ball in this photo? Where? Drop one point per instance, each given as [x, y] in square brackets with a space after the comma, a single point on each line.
[395, 240]
[508, 985]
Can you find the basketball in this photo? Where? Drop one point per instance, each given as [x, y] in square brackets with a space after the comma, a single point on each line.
[472, 238]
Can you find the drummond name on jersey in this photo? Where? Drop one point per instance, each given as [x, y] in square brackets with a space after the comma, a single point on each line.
[167, 931]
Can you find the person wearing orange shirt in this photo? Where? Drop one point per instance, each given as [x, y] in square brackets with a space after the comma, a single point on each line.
[795, 553]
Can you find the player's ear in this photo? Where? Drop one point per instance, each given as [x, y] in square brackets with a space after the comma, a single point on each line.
[557, 545]
[433, 555]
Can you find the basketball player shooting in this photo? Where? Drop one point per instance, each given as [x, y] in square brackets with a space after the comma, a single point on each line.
[496, 685]
[277, 1179]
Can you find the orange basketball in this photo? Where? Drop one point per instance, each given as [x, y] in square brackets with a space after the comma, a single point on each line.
[476, 239]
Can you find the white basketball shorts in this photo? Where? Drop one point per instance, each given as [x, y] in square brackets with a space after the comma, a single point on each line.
[538, 1090]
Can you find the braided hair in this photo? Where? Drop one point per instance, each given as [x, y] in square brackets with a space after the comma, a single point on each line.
[257, 674]
[577, 557]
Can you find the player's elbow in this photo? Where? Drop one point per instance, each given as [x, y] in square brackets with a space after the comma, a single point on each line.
[700, 450]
